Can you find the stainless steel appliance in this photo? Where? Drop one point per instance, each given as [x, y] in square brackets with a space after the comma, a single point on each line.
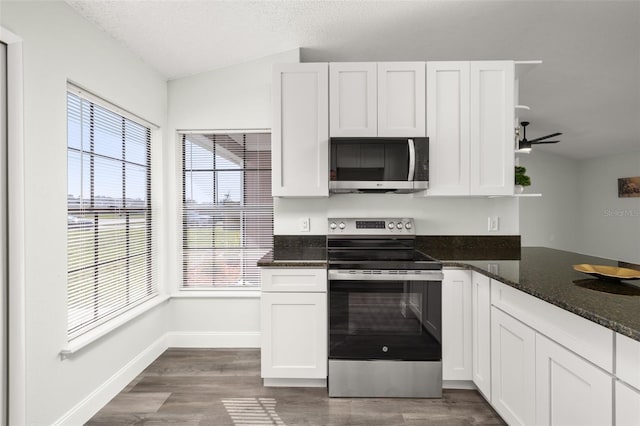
[379, 165]
[385, 325]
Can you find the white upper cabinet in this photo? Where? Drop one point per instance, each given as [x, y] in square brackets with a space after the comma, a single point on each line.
[354, 99]
[492, 133]
[448, 127]
[300, 133]
[470, 116]
[401, 99]
[369, 99]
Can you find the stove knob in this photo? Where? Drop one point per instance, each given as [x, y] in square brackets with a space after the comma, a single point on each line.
[391, 225]
[408, 225]
[342, 225]
[333, 225]
[399, 225]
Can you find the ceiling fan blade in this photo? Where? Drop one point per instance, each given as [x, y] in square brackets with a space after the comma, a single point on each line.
[539, 142]
[545, 137]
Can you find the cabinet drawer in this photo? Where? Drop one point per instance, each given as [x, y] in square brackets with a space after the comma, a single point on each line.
[628, 360]
[590, 340]
[298, 280]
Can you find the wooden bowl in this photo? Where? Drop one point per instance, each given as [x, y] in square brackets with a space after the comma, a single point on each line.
[608, 272]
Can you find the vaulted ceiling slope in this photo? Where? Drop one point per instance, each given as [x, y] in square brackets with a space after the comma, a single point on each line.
[588, 86]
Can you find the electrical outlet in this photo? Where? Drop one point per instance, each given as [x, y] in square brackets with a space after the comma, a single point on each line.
[305, 224]
[494, 223]
[493, 268]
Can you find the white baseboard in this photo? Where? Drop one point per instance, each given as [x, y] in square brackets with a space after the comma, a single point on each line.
[97, 399]
[213, 339]
[458, 384]
[303, 383]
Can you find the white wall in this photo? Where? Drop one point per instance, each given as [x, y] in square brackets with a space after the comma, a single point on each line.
[552, 220]
[609, 226]
[58, 46]
[215, 321]
[580, 210]
[237, 97]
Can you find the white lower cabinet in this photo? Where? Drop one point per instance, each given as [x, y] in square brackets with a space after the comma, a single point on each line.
[512, 369]
[569, 390]
[456, 325]
[627, 405]
[481, 332]
[628, 360]
[294, 330]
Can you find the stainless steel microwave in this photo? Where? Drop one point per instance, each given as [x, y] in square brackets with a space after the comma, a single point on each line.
[398, 165]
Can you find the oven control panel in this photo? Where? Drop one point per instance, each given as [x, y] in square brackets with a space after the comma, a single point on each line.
[369, 226]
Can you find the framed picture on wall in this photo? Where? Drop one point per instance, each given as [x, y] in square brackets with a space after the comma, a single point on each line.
[629, 187]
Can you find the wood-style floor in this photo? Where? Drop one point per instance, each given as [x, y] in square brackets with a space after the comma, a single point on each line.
[223, 387]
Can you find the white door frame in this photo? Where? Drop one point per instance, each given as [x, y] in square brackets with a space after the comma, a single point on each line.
[16, 262]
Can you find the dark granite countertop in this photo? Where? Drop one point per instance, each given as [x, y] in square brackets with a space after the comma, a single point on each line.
[295, 258]
[541, 272]
[291, 251]
[548, 275]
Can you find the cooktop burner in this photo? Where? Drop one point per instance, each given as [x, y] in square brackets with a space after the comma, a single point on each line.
[379, 244]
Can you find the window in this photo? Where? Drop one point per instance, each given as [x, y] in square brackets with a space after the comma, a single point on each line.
[109, 221]
[227, 215]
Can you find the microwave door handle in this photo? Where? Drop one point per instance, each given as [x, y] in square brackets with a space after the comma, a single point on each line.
[412, 160]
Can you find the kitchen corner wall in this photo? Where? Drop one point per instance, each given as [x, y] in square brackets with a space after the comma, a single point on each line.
[609, 226]
[580, 209]
[552, 220]
[60, 45]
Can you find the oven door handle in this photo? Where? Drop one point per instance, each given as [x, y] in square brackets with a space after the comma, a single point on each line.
[412, 160]
[350, 275]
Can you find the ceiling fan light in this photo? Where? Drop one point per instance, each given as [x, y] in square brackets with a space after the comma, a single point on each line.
[524, 150]
[524, 146]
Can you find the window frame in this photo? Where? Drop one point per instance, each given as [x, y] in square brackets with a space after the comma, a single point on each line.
[213, 290]
[83, 329]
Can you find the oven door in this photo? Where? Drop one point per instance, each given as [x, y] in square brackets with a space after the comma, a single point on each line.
[385, 316]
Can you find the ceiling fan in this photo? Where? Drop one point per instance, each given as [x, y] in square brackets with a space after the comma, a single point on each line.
[524, 145]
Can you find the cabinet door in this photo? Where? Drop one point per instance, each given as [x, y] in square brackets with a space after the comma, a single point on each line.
[300, 143]
[627, 405]
[353, 97]
[512, 369]
[569, 390]
[401, 99]
[448, 127]
[456, 325]
[628, 360]
[492, 132]
[294, 335]
[481, 332]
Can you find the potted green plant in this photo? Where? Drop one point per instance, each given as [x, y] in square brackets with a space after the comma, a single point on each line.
[522, 179]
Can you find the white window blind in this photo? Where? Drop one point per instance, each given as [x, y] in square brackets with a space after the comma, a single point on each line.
[109, 221]
[227, 208]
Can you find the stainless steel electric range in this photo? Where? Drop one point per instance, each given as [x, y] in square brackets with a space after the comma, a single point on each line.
[385, 297]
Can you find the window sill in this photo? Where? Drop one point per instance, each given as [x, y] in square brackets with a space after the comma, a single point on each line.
[91, 336]
[244, 293]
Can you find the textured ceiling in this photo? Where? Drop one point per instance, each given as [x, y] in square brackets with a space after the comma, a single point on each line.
[588, 86]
